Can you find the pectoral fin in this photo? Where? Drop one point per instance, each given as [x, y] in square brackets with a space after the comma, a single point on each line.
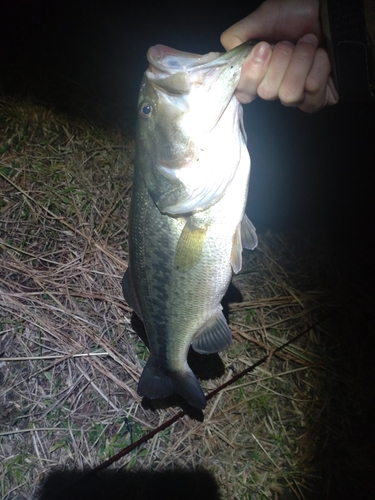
[189, 246]
[244, 237]
[215, 336]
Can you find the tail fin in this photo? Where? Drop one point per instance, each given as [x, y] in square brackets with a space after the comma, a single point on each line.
[157, 383]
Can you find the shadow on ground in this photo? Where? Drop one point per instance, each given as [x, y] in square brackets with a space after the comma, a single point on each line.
[123, 485]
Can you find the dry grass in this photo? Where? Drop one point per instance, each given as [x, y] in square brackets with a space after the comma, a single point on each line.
[70, 361]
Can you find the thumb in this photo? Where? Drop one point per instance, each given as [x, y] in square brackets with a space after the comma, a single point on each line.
[259, 24]
[274, 21]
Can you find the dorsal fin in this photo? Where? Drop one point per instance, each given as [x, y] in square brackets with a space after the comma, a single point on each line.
[249, 236]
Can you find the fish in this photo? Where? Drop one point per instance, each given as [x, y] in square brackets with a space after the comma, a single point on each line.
[187, 221]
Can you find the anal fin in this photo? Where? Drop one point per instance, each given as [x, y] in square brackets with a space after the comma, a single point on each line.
[215, 336]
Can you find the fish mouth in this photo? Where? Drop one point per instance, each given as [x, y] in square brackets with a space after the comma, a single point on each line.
[171, 60]
[176, 71]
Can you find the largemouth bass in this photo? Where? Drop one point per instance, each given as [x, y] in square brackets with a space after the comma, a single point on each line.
[187, 225]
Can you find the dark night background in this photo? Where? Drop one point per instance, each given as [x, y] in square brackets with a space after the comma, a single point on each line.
[310, 173]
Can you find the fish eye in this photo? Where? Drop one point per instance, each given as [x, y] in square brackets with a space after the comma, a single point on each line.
[145, 110]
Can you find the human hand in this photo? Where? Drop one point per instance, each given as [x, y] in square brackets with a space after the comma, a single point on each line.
[289, 64]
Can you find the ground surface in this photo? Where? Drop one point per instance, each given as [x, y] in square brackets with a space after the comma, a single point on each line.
[298, 426]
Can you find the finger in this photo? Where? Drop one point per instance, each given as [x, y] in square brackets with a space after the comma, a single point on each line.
[273, 21]
[318, 92]
[238, 33]
[253, 72]
[281, 56]
[292, 88]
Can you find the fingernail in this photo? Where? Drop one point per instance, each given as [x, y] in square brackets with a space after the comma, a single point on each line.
[309, 38]
[244, 97]
[260, 52]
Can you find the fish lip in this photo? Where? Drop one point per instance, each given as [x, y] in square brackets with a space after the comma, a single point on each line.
[237, 51]
[175, 72]
[157, 54]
